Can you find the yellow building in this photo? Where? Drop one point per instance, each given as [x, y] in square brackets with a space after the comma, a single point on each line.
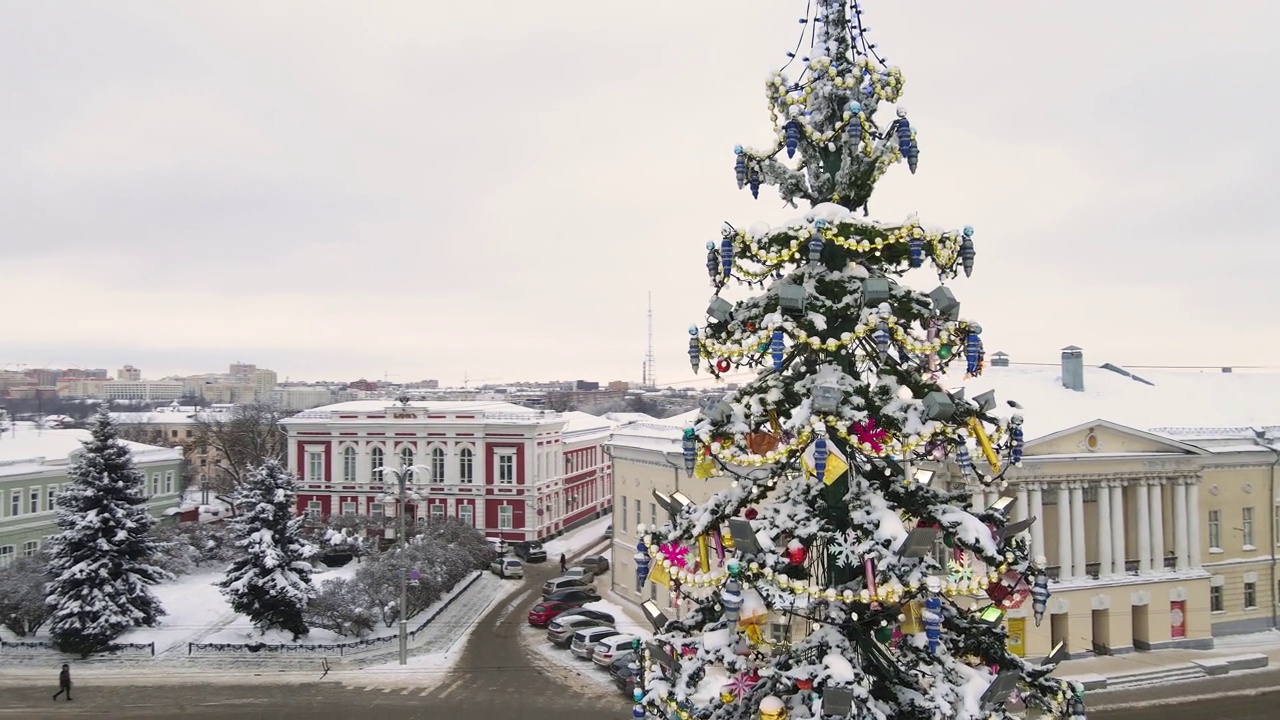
[1154, 492]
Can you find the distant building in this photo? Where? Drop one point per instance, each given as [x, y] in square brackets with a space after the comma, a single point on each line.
[129, 372]
[508, 471]
[33, 468]
[104, 389]
[242, 372]
[293, 398]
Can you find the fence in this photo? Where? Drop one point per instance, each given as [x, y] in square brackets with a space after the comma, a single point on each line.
[356, 647]
[115, 649]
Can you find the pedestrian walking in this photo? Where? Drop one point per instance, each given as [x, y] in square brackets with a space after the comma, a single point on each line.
[64, 682]
[564, 564]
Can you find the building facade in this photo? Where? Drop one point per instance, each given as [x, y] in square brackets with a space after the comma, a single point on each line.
[33, 467]
[507, 471]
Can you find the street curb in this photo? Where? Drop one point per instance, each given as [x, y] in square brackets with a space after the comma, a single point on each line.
[1182, 672]
[1183, 699]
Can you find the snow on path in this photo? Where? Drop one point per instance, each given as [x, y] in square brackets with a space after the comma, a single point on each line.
[445, 641]
[575, 541]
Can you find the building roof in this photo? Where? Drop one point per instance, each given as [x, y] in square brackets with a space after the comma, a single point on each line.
[168, 416]
[659, 436]
[1187, 406]
[28, 449]
[491, 411]
[581, 426]
[628, 417]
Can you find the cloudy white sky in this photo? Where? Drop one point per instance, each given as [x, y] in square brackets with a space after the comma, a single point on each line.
[431, 188]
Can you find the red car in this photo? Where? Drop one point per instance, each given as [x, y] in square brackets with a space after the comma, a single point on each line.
[544, 612]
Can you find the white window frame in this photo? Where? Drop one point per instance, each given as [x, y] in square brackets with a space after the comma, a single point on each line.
[622, 521]
[315, 466]
[1246, 528]
[637, 512]
[375, 510]
[350, 465]
[506, 517]
[377, 459]
[350, 508]
[1214, 527]
[30, 547]
[506, 467]
[439, 465]
[15, 503]
[314, 509]
[467, 514]
[7, 554]
[155, 483]
[33, 500]
[1250, 588]
[168, 482]
[1217, 603]
[466, 465]
[51, 497]
[436, 512]
[407, 455]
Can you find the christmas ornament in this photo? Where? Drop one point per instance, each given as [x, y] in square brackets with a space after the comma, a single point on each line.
[967, 253]
[689, 449]
[740, 165]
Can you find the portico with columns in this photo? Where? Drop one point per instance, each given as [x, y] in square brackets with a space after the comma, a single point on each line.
[1118, 526]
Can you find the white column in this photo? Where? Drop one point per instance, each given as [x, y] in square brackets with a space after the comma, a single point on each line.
[1117, 528]
[1157, 525]
[1020, 507]
[1104, 529]
[1193, 522]
[1143, 531]
[1078, 556]
[1036, 500]
[1065, 566]
[1180, 523]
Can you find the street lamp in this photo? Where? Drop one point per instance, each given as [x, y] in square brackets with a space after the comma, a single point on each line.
[402, 476]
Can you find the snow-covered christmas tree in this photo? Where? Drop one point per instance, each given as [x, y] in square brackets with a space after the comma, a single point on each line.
[102, 560]
[898, 587]
[272, 583]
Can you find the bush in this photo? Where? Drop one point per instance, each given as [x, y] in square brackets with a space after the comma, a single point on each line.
[443, 553]
[194, 546]
[23, 609]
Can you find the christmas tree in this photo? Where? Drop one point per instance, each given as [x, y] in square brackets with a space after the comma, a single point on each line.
[271, 583]
[101, 561]
[831, 520]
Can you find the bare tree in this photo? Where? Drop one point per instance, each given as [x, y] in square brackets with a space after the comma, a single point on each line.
[239, 441]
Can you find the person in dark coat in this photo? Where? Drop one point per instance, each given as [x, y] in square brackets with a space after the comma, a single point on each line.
[64, 682]
[564, 564]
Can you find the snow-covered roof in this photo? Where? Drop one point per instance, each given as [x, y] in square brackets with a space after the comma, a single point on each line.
[28, 449]
[628, 417]
[166, 416]
[1186, 406]
[433, 406]
[581, 426]
[659, 436]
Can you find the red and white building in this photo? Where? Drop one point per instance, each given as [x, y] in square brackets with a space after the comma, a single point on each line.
[510, 472]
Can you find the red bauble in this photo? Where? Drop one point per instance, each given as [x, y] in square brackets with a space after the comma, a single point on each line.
[750, 513]
[722, 365]
[796, 553]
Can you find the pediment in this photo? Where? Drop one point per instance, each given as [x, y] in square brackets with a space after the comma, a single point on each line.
[1103, 437]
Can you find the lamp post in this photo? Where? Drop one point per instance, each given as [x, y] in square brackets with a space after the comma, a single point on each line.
[402, 477]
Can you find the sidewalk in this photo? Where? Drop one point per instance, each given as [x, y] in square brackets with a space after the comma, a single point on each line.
[1161, 667]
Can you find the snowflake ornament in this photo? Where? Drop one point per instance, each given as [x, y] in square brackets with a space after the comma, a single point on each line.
[869, 434]
[960, 572]
[844, 549]
[678, 555]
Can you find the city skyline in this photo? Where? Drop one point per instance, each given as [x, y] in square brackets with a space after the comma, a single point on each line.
[324, 192]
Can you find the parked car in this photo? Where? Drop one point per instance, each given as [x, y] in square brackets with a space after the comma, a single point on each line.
[578, 572]
[584, 641]
[608, 531]
[542, 613]
[498, 544]
[597, 565]
[561, 583]
[507, 567]
[531, 551]
[560, 632]
[623, 674]
[603, 617]
[575, 596]
[609, 648]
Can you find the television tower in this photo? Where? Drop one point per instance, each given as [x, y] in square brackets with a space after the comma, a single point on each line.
[649, 379]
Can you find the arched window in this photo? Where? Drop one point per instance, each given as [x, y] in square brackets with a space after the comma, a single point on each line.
[376, 458]
[349, 465]
[437, 464]
[406, 456]
[466, 463]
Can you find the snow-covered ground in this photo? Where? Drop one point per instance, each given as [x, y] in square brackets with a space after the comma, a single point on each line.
[584, 538]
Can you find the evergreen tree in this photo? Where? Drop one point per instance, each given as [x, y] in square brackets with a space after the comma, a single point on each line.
[102, 561]
[272, 583]
[830, 519]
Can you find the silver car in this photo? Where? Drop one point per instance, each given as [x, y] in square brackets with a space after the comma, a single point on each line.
[560, 632]
[584, 641]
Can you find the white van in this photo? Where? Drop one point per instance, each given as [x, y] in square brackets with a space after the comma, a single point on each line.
[608, 649]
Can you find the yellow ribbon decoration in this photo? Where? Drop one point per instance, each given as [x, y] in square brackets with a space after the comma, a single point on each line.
[984, 442]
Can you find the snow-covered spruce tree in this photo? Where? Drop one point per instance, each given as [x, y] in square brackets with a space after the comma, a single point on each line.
[271, 584]
[102, 561]
[832, 520]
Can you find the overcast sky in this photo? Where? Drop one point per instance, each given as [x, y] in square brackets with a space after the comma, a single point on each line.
[432, 189]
